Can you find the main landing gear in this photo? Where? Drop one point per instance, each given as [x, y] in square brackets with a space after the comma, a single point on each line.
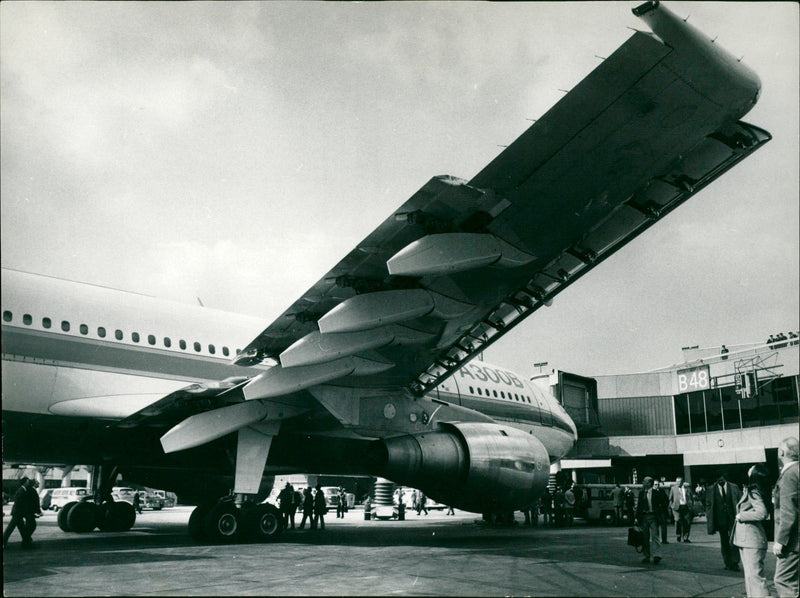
[85, 516]
[100, 510]
[227, 522]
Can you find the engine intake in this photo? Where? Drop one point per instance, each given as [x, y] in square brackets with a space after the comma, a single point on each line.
[478, 467]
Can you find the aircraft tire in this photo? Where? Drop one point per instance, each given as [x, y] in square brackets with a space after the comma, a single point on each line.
[62, 516]
[262, 523]
[222, 523]
[116, 517]
[82, 517]
[196, 523]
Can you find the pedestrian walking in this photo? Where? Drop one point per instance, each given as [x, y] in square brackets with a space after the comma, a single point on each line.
[721, 503]
[286, 500]
[24, 512]
[308, 509]
[618, 500]
[680, 498]
[569, 506]
[748, 531]
[341, 506]
[421, 503]
[651, 511]
[785, 546]
[320, 508]
[558, 506]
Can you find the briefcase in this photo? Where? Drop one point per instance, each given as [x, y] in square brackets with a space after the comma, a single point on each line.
[635, 538]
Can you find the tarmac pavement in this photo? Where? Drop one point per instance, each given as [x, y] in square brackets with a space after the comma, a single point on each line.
[433, 555]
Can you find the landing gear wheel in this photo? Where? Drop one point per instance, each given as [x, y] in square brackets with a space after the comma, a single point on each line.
[116, 516]
[62, 516]
[82, 517]
[263, 523]
[222, 523]
[196, 522]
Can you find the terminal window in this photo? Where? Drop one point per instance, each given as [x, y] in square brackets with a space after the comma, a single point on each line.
[776, 402]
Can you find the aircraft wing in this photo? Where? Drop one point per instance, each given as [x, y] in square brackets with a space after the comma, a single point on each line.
[463, 261]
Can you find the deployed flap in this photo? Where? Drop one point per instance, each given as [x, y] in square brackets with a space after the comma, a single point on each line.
[649, 127]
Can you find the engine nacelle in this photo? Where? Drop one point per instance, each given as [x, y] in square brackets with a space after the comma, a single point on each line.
[478, 467]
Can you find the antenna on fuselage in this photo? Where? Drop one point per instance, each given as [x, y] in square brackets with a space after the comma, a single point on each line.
[200, 302]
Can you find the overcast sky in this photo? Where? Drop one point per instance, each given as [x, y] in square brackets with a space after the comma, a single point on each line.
[236, 151]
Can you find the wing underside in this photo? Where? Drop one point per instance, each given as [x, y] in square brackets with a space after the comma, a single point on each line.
[462, 262]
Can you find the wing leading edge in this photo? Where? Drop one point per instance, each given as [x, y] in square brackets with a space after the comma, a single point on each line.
[462, 262]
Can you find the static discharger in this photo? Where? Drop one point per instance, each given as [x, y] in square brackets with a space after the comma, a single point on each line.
[455, 252]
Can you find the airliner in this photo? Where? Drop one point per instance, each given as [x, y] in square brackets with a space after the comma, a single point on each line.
[371, 371]
[78, 357]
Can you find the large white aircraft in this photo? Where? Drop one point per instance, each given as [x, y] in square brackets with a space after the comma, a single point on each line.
[369, 371]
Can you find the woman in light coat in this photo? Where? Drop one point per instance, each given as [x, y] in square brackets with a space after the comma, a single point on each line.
[748, 533]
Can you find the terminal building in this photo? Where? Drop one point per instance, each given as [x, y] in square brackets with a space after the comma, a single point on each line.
[720, 411]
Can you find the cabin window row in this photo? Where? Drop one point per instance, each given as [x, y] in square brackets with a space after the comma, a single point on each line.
[27, 319]
[501, 395]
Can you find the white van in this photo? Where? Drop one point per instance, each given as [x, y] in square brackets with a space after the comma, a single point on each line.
[62, 496]
[123, 493]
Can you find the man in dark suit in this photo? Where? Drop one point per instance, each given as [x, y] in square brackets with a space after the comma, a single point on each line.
[23, 513]
[721, 499]
[651, 513]
[785, 501]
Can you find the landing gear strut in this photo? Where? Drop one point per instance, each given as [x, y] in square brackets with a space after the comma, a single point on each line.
[99, 510]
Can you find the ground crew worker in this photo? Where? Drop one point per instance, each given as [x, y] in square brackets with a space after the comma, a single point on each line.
[23, 513]
[308, 509]
[320, 508]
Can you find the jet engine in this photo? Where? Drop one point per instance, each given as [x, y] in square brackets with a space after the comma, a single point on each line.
[478, 467]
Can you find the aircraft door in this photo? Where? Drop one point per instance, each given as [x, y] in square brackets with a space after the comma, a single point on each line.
[544, 407]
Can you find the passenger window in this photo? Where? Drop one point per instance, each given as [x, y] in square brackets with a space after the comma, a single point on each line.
[135, 337]
[495, 393]
[479, 391]
[238, 351]
[6, 316]
[118, 335]
[101, 332]
[84, 329]
[212, 349]
[471, 390]
[27, 319]
[197, 347]
[167, 342]
[46, 322]
[182, 344]
[65, 326]
[225, 351]
[151, 339]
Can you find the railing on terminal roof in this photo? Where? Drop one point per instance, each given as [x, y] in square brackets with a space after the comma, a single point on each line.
[714, 354]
